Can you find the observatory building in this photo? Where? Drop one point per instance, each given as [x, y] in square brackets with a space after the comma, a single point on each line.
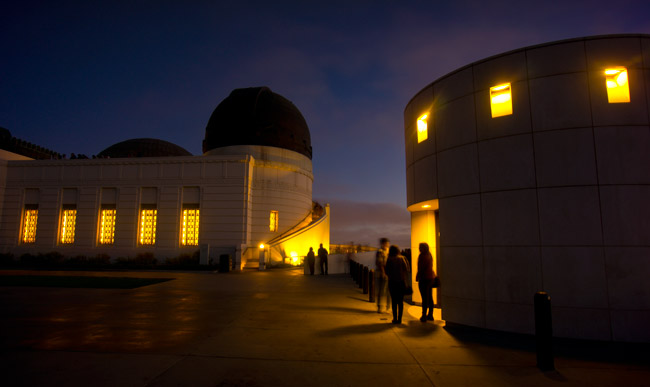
[530, 171]
[252, 187]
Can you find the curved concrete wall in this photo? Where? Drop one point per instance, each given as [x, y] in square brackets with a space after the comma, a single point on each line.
[554, 197]
[281, 180]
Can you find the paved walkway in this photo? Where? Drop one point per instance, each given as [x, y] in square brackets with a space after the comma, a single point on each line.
[272, 328]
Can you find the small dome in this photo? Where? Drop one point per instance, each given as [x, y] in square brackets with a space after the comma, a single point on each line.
[143, 147]
[257, 116]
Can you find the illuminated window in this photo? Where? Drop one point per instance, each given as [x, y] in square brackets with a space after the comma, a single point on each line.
[30, 218]
[273, 221]
[190, 227]
[501, 100]
[107, 226]
[422, 128]
[618, 90]
[148, 226]
[68, 221]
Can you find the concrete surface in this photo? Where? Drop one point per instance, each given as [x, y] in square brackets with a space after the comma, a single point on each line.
[271, 328]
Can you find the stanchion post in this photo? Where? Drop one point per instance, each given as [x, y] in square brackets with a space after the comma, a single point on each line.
[359, 273]
[371, 286]
[544, 332]
[365, 280]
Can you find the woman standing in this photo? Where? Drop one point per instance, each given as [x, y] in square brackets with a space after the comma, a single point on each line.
[396, 270]
[425, 276]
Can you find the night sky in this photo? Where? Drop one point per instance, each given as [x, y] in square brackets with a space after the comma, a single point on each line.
[79, 76]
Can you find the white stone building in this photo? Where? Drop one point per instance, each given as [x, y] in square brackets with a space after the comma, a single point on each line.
[530, 171]
[252, 186]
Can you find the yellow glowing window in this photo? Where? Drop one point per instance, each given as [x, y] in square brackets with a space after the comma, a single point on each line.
[273, 221]
[190, 227]
[501, 100]
[148, 226]
[30, 218]
[68, 222]
[107, 226]
[423, 132]
[618, 89]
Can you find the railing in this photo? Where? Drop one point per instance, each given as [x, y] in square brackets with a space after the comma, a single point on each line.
[364, 277]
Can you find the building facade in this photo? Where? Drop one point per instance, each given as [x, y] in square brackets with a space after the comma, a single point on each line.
[150, 196]
[530, 171]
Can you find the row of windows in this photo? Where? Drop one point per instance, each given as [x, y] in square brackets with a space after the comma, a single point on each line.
[616, 83]
[106, 230]
[190, 220]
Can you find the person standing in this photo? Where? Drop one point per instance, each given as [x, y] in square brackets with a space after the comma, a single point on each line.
[396, 270]
[425, 276]
[311, 259]
[381, 280]
[322, 255]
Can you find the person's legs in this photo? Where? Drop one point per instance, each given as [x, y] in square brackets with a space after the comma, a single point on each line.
[423, 292]
[380, 293]
[388, 299]
[394, 299]
[399, 303]
[430, 294]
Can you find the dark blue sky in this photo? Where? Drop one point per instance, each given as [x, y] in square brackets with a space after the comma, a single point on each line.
[79, 76]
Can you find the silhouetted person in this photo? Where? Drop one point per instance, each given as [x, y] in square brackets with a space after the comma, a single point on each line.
[322, 255]
[381, 280]
[425, 276]
[396, 270]
[311, 260]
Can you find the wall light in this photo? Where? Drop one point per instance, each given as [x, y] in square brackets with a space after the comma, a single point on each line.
[422, 128]
[618, 89]
[426, 206]
[501, 100]
[261, 245]
[294, 258]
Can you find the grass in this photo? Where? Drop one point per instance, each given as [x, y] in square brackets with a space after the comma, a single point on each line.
[54, 281]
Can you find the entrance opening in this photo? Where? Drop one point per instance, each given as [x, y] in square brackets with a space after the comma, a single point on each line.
[425, 228]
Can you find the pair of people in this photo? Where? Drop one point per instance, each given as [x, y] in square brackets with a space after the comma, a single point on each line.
[322, 255]
[391, 271]
[391, 274]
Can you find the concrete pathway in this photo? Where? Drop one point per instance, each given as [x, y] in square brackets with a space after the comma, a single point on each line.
[272, 328]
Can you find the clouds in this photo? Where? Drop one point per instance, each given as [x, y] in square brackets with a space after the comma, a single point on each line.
[120, 70]
[366, 222]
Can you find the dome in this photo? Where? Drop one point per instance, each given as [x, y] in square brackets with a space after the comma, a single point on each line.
[144, 147]
[257, 116]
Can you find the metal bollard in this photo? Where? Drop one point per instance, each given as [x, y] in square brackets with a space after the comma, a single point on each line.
[360, 277]
[371, 286]
[365, 280]
[357, 273]
[544, 332]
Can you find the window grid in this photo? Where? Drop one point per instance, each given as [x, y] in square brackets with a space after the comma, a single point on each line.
[148, 226]
[29, 226]
[618, 89]
[423, 132]
[107, 226]
[190, 227]
[68, 221]
[273, 221]
[501, 100]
